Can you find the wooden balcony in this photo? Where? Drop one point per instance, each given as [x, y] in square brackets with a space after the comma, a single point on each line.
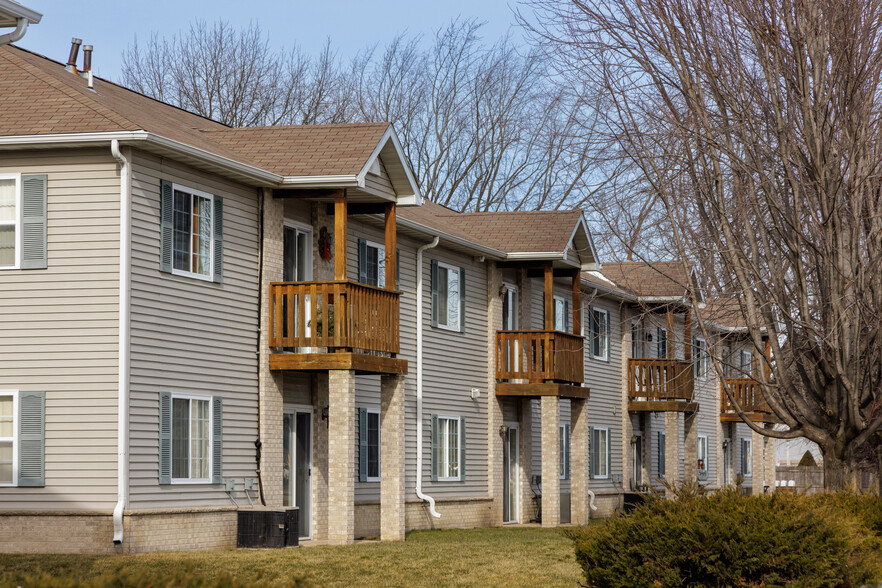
[750, 398]
[336, 324]
[540, 363]
[660, 385]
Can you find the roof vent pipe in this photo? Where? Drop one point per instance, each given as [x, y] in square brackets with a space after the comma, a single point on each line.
[72, 59]
[87, 58]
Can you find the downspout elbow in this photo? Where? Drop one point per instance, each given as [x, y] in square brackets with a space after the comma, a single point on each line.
[21, 27]
[125, 172]
[419, 377]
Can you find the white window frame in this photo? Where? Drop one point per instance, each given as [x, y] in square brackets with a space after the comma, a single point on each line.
[601, 456]
[637, 472]
[701, 358]
[563, 441]
[444, 450]
[661, 335]
[381, 262]
[443, 325]
[564, 314]
[745, 373]
[369, 478]
[701, 443]
[192, 397]
[16, 433]
[306, 230]
[637, 343]
[605, 354]
[190, 274]
[16, 221]
[748, 444]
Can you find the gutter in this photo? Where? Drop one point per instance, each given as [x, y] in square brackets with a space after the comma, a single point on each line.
[21, 27]
[125, 273]
[419, 376]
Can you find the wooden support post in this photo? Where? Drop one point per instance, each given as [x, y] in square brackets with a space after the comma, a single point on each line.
[687, 335]
[549, 296]
[340, 235]
[670, 342]
[391, 247]
[577, 302]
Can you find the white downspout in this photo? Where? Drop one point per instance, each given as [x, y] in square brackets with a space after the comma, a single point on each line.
[21, 27]
[125, 272]
[419, 377]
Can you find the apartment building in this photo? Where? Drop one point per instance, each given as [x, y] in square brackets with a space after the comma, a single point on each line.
[198, 319]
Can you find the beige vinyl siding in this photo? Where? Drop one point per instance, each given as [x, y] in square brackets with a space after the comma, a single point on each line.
[191, 336]
[707, 390]
[453, 364]
[60, 329]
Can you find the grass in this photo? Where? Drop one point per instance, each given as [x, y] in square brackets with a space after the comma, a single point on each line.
[524, 556]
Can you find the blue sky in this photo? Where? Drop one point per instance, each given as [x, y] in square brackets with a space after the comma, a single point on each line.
[112, 25]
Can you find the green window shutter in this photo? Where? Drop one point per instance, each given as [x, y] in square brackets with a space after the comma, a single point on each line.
[567, 452]
[462, 448]
[32, 439]
[609, 453]
[167, 226]
[33, 222]
[592, 461]
[436, 450]
[661, 454]
[362, 261]
[217, 440]
[462, 300]
[362, 444]
[218, 225]
[434, 285]
[165, 430]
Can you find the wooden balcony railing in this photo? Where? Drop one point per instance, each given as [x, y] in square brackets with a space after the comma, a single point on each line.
[747, 393]
[660, 379]
[334, 315]
[540, 356]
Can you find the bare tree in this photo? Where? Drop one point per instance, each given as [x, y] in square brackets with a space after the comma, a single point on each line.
[482, 124]
[756, 125]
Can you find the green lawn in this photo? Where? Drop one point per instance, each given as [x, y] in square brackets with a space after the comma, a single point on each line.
[467, 557]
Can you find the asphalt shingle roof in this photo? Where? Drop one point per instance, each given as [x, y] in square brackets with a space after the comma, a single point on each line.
[38, 97]
[657, 278]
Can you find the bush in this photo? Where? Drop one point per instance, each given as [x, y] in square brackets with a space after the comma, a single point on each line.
[728, 540]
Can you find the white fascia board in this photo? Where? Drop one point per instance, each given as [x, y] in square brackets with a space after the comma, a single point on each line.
[584, 224]
[678, 299]
[615, 293]
[479, 249]
[339, 181]
[535, 255]
[16, 10]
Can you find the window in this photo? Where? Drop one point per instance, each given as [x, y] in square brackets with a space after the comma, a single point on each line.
[701, 357]
[372, 268]
[746, 458]
[22, 438]
[637, 449]
[561, 314]
[599, 322]
[8, 442]
[727, 361]
[448, 448]
[661, 345]
[510, 308]
[297, 257]
[636, 339]
[600, 452]
[661, 454]
[746, 364]
[448, 300]
[564, 442]
[193, 232]
[369, 445]
[10, 233]
[702, 454]
[191, 439]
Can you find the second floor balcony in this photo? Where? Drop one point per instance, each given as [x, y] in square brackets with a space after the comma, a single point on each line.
[660, 385]
[749, 396]
[540, 356]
